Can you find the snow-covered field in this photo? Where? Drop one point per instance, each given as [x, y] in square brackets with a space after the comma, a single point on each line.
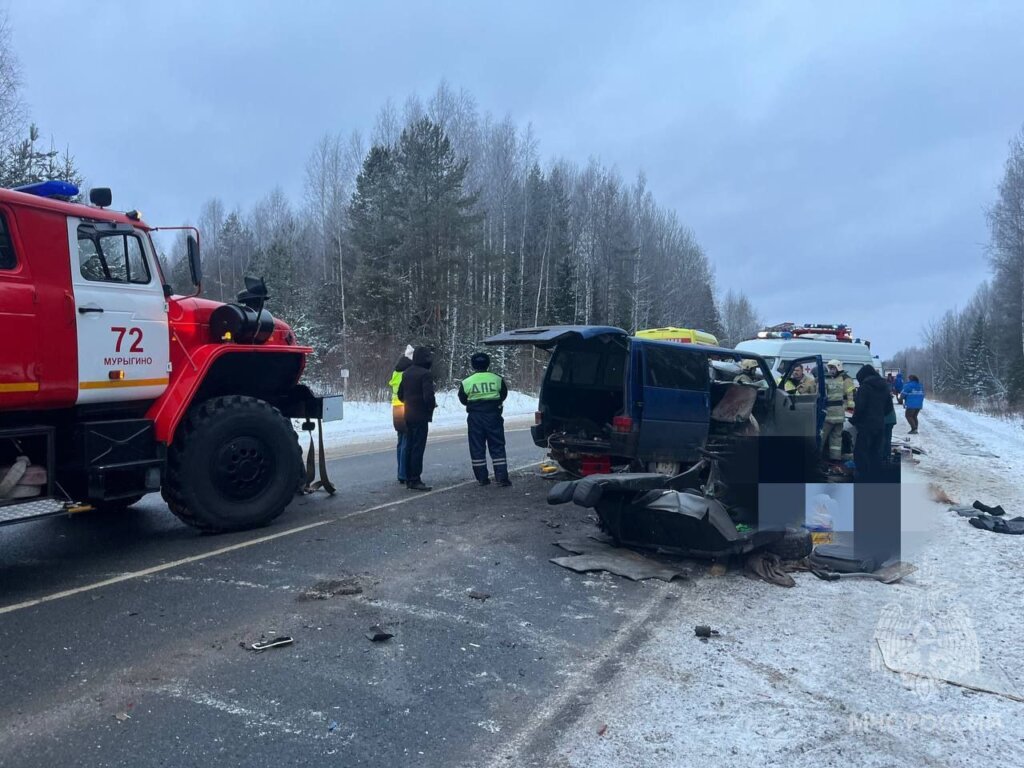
[370, 423]
[795, 679]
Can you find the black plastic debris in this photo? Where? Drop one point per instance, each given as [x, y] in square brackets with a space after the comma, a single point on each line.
[1014, 526]
[840, 558]
[477, 595]
[996, 511]
[703, 630]
[990, 518]
[378, 635]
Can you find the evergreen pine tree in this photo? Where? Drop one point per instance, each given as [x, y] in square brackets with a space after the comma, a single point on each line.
[375, 233]
[563, 298]
[977, 364]
[24, 162]
[437, 224]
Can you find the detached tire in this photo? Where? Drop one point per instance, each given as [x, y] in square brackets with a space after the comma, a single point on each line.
[796, 544]
[234, 463]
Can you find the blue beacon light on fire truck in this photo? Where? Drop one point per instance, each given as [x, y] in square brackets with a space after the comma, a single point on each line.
[52, 188]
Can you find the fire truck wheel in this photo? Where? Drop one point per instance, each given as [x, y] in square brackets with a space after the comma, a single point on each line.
[234, 463]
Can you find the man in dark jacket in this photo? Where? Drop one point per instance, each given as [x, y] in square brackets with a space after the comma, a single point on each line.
[872, 402]
[482, 394]
[417, 394]
[398, 410]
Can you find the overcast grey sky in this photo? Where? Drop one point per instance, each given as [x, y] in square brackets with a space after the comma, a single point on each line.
[835, 160]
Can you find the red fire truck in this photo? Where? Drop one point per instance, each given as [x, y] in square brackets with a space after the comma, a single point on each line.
[111, 387]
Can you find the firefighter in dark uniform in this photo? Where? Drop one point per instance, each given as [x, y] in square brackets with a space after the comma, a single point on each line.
[482, 394]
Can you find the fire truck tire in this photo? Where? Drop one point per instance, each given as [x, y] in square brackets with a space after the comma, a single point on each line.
[234, 463]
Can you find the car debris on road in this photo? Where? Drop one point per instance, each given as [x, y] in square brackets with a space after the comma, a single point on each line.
[703, 630]
[378, 635]
[275, 642]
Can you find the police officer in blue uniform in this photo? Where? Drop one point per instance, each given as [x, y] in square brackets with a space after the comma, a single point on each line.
[483, 394]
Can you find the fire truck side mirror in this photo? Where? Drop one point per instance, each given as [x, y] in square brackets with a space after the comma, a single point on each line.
[195, 267]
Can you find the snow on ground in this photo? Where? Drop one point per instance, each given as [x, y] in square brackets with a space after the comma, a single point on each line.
[367, 422]
[794, 681]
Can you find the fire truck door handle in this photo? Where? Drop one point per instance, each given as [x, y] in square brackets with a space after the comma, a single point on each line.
[86, 310]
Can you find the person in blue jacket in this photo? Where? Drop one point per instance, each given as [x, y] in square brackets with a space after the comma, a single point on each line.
[897, 384]
[912, 397]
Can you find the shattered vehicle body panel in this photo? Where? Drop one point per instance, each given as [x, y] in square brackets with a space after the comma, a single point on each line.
[656, 512]
[654, 405]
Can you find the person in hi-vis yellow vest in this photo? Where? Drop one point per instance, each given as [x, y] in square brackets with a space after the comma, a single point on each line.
[483, 393]
[398, 409]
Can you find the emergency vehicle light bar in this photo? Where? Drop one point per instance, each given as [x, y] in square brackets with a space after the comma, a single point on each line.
[52, 188]
[792, 330]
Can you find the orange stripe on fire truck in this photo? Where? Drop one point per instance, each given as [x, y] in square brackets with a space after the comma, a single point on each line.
[117, 383]
[19, 386]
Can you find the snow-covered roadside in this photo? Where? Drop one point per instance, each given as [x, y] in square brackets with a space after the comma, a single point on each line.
[793, 680]
[370, 423]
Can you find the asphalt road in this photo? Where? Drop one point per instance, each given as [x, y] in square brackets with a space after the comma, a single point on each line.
[121, 637]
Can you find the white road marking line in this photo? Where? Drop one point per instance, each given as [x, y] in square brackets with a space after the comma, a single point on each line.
[232, 548]
[579, 679]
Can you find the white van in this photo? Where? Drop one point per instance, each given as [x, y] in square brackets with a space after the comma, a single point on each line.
[779, 352]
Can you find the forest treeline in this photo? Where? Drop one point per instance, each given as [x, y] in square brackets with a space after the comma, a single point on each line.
[448, 226]
[974, 355]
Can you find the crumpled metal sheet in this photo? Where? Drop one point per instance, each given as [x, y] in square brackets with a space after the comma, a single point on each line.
[593, 555]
